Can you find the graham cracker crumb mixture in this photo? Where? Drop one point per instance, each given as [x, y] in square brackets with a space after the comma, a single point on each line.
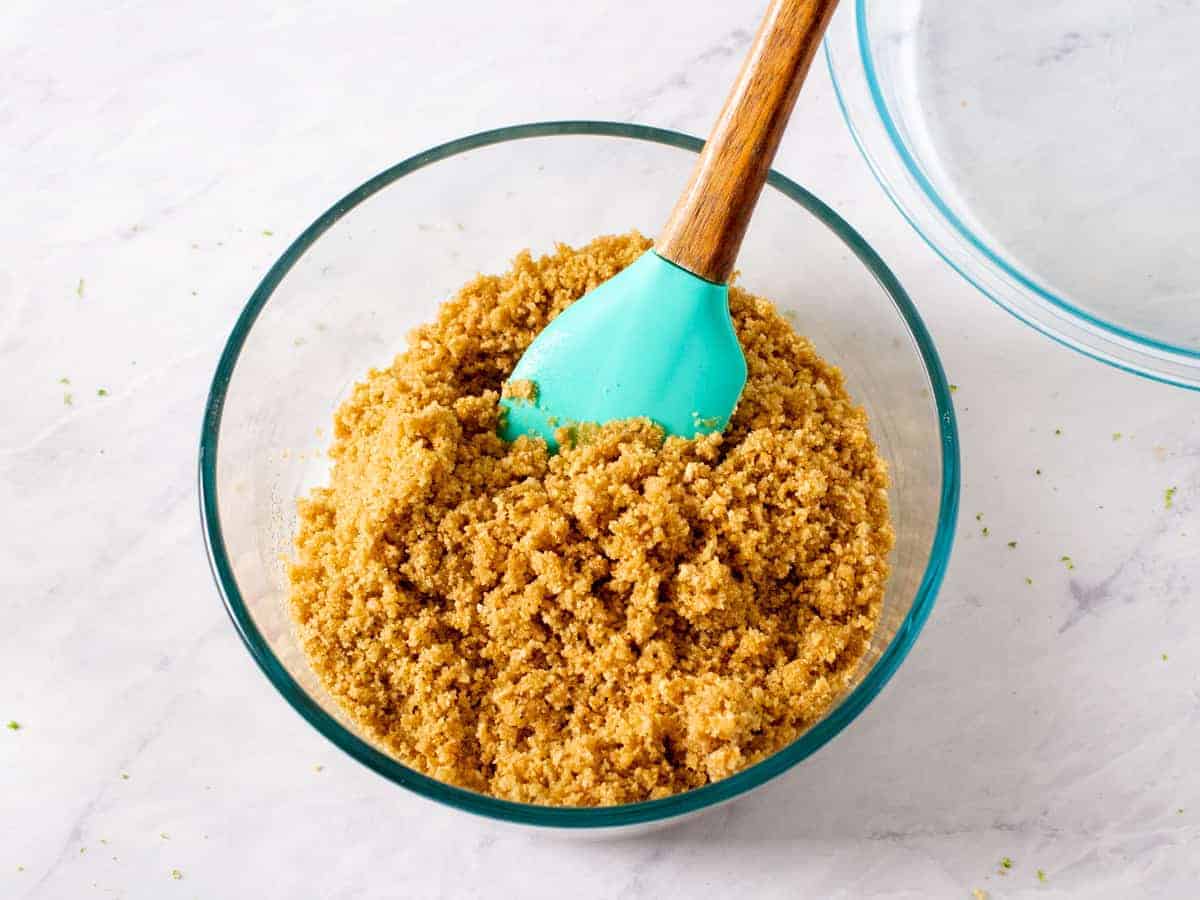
[624, 620]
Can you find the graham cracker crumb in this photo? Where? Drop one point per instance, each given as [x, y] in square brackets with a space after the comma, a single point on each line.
[520, 390]
[627, 619]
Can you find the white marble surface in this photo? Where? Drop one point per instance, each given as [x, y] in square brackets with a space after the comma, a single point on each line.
[144, 149]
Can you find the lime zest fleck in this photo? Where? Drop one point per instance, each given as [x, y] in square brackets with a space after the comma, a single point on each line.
[1006, 863]
[176, 874]
[1028, 580]
[1012, 545]
[102, 392]
[985, 531]
[164, 835]
[1169, 497]
[68, 400]
[954, 388]
[1041, 875]
[978, 517]
[1057, 432]
[79, 288]
[64, 380]
[1116, 437]
[13, 725]
[124, 776]
[267, 232]
[1164, 657]
[1066, 559]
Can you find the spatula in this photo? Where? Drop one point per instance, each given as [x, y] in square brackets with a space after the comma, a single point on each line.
[656, 340]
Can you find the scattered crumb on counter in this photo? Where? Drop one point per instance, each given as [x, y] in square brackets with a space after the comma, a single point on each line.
[627, 619]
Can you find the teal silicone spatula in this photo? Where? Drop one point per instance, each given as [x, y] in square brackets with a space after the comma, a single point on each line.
[656, 340]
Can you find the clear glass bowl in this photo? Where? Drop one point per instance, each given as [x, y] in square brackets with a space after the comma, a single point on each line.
[1048, 152]
[346, 292]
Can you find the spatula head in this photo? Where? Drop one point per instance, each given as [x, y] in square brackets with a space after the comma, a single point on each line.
[653, 341]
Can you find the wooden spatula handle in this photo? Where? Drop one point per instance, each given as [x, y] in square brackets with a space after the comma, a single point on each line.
[708, 223]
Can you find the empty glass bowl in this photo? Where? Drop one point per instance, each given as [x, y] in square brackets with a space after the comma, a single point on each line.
[1048, 152]
[346, 292]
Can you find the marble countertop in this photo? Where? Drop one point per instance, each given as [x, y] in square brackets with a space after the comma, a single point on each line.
[154, 160]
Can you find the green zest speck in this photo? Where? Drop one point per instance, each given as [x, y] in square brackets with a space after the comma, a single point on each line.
[64, 380]
[1012, 545]
[102, 392]
[68, 400]
[1169, 497]
[1116, 437]
[267, 232]
[13, 726]
[1028, 580]
[79, 288]
[1066, 559]
[1164, 657]
[978, 517]
[1057, 432]
[1006, 863]
[1041, 875]
[954, 388]
[985, 531]
[176, 874]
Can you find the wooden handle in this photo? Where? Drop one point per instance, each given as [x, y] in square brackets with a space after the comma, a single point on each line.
[708, 223]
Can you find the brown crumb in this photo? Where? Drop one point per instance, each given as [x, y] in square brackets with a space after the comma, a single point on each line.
[520, 390]
[627, 619]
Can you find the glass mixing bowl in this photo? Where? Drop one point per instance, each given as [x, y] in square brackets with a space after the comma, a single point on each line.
[1048, 152]
[346, 292]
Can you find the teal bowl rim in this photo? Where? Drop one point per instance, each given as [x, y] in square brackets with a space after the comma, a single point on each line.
[574, 817]
[990, 256]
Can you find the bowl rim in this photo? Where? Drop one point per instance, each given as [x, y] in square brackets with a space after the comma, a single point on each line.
[574, 817]
[858, 77]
